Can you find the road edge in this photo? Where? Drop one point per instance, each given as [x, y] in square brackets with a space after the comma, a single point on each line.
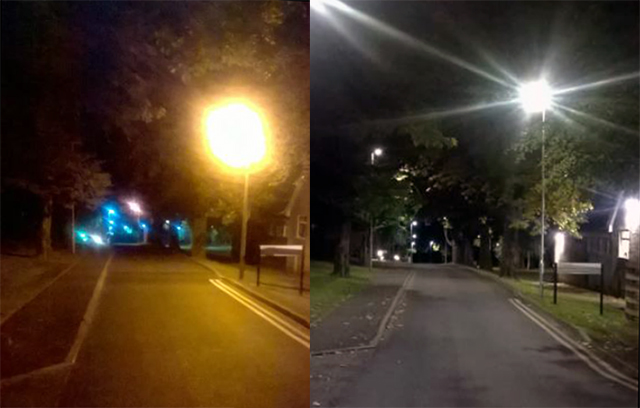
[373, 343]
[572, 332]
[285, 311]
[89, 314]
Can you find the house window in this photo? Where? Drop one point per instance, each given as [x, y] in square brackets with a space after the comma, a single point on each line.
[302, 226]
[624, 244]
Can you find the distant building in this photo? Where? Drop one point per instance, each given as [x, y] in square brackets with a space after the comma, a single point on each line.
[292, 225]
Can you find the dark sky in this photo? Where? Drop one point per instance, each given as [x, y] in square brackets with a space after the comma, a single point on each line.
[524, 38]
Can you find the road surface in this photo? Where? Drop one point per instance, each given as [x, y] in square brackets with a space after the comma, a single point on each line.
[462, 343]
[163, 335]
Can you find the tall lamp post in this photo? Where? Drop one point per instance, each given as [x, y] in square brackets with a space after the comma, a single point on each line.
[413, 237]
[375, 152]
[536, 97]
[235, 136]
[135, 208]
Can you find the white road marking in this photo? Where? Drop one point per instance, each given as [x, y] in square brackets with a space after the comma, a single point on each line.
[611, 373]
[282, 325]
[88, 315]
[588, 353]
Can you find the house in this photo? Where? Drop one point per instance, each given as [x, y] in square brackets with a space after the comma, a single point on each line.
[617, 249]
[291, 226]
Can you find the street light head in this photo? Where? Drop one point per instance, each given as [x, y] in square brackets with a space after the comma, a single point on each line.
[414, 236]
[377, 151]
[535, 96]
[414, 223]
[135, 207]
[235, 135]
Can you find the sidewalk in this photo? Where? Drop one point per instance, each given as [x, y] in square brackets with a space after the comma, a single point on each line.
[22, 278]
[355, 322]
[277, 288]
[41, 333]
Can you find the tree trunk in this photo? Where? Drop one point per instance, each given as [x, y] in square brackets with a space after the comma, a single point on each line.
[198, 236]
[73, 228]
[45, 229]
[468, 253]
[341, 259]
[485, 260]
[511, 252]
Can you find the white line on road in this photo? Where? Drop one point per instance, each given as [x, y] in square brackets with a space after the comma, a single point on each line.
[279, 323]
[610, 373]
[588, 353]
[88, 315]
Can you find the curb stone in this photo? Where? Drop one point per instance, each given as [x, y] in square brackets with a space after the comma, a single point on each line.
[291, 314]
[373, 343]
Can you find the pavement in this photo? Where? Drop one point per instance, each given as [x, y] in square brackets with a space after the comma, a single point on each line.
[278, 288]
[356, 322]
[461, 342]
[41, 333]
[164, 335]
[23, 277]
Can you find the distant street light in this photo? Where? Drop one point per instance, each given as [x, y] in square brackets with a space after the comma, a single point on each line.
[376, 152]
[536, 97]
[235, 135]
[134, 206]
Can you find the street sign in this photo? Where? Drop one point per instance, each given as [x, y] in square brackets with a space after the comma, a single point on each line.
[578, 268]
[282, 251]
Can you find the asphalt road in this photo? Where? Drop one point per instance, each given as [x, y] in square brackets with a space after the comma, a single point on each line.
[165, 336]
[463, 344]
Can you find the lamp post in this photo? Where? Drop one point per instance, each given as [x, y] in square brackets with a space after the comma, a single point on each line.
[135, 208]
[375, 152]
[536, 97]
[235, 136]
[413, 236]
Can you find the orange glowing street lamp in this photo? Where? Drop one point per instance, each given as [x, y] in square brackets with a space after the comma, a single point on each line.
[236, 137]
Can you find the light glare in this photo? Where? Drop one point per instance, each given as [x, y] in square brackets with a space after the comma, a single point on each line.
[235, 135]
[535, 96]
[632, 214]
[559, 246]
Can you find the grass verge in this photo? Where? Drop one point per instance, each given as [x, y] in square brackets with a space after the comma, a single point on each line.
[580, 308]
[329, 291]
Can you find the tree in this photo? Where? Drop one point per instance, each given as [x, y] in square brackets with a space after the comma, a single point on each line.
[175, 59]
[43, 136]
